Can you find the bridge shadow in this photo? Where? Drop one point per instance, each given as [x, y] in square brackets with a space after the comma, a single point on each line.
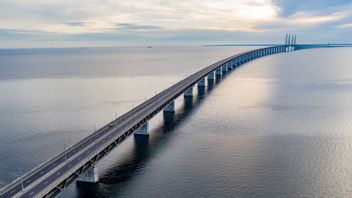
[144, 148]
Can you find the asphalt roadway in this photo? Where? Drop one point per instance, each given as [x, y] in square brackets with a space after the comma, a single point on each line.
[49, 173]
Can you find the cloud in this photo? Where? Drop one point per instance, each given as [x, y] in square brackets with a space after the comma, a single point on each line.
[78, 23]
[136, 27]
[170, 22]
[345, 25]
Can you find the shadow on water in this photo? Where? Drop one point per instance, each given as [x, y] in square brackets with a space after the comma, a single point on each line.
[144, 148]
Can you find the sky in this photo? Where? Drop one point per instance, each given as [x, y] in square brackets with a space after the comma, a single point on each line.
[82, 23]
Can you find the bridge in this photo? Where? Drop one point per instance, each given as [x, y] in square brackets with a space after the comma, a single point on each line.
[79, 162]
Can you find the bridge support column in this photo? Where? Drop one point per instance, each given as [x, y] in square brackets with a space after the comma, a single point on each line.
[224, 69]
[188, 92]
[90, 176]
[201, 83]
[232, 64]
[142, 130]
[228, 66]
[218, 71]
[211, 76]
[170, 108]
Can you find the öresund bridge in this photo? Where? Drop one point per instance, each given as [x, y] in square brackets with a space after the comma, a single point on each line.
[79, 162]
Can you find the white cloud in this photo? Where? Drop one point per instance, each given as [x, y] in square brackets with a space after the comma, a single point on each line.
[345, 25]
[102, 16]
[167, 21]
[304, 18]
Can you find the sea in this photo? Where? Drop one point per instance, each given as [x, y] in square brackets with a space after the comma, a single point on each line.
[278, 126]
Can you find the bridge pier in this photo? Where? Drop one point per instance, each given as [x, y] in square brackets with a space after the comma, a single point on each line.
[90, 175]
[211, 76]
[201, 83]
[233, 63]
[224, 68]
[142, 130]
[239, 61]
[188, 92]
[228, 66]
[170, 108]
[246, 58]
[218, 71]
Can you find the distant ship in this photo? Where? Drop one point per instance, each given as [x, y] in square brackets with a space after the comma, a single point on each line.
[149, 47]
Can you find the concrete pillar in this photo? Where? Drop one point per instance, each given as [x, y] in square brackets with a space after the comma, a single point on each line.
[142, 130]
[90, 175]
[228, 66]
[224, 68]
[218, 71]
[211, 76]
[232, 64]
[170, 107]
[189, 92]
[201, 83]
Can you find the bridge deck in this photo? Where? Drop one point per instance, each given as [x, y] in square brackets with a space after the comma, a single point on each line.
[52, 176]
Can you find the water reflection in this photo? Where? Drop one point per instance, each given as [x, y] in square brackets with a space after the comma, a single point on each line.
[144, 148]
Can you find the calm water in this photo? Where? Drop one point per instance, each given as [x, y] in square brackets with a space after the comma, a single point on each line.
[278, 126]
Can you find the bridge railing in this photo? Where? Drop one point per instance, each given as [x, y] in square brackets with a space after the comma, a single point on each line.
[188, 82]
